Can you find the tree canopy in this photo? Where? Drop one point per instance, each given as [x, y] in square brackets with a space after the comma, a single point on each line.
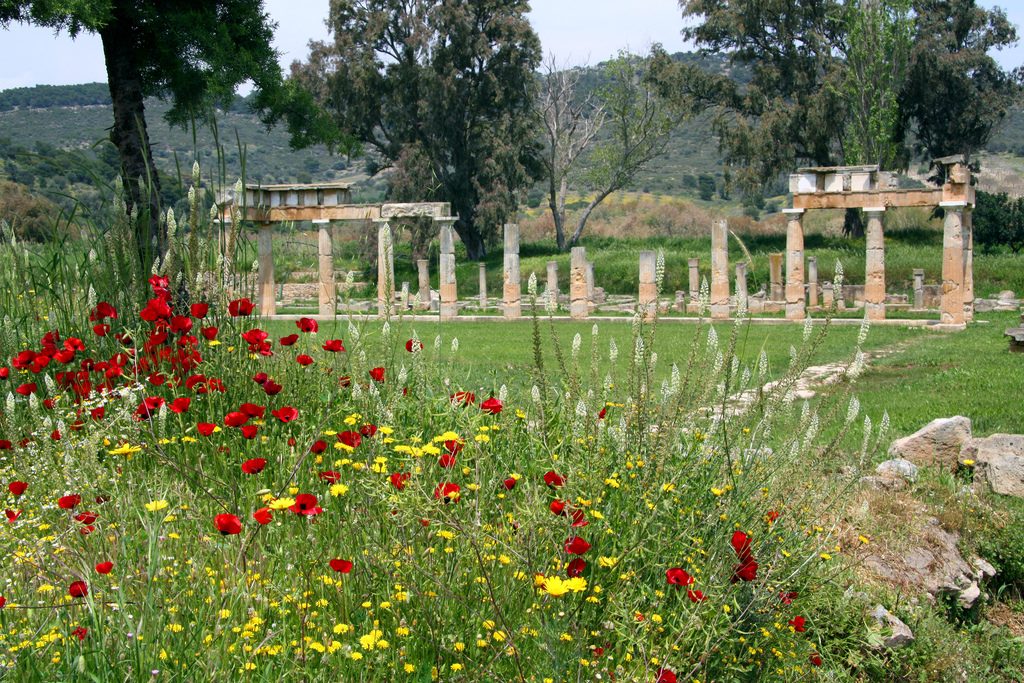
[440, 91]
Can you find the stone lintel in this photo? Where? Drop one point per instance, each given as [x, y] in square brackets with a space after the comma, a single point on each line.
[873, 209]
[793, 212]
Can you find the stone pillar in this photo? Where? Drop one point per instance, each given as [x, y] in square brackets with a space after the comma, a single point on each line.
[325, 252]
[953, 264]
[812, 281]
[265, 277]
[552, 288]
[720, 269]
[775, 291]
[512, 290]
[874, 270]
[968, 230]
[591, 296]
[694, 280]
[403, 298]
[578, 305]
[385, 270]
[446, 271]
[919, 288]
[648, 296]
[796, 308]
[423, 268]
[741, 287]
[827, 295]
[483, 286]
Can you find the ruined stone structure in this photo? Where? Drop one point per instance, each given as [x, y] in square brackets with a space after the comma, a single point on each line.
[512, 291]
[720, 269]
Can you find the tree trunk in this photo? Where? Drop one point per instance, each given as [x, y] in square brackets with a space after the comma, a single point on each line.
[853, 223]
[586, 214]
[129, 132]
[557, 203]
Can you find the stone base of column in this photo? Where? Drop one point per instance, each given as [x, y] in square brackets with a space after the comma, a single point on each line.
[449, 302]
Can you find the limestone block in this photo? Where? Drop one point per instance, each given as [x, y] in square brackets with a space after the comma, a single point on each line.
[937, 443]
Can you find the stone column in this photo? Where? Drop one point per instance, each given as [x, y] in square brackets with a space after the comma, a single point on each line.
[483, 286]
[919, 288]
[775, 291]
[812, 281]
[552, 288]
[446, 271]
[741, 287]
[720, 269]
[953, 264]
[648, 295]
[423, 266]
[325, 252]
[385, 270]
[694, 280]
[578, 305]
[512, 290]
[827, 295]
[796, 308]
[265, 277]
[591, 295]
[403, 298]
[968, 229]
[874, 270]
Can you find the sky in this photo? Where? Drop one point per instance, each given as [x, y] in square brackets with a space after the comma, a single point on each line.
[575, 31]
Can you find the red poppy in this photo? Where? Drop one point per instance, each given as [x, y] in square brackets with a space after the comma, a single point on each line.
[448, 492]
[17, 487]
[575, 567]
[255, 336]
[799, 624]
[206, 428]
[815, 659]
[285, 413]
[104, 567]
[5, 372]
[199, 309]
[307, 325]
[235, 418]
[86, 517]
[341, 566]
[227, 524]
[329, 476]
[69, 502]
[81, 632]
[26, 389]
[746, 570]
[576, 545]
[398, 480]
[509, 483]
[771, 516]
[78, 589]
[209, 333]
[180, 405]
[368, 430]
[333, 345]
[453, 446]
[677, 576]
[787, 597]
[579, 518]
[695, 596]
[413, 345]
[350, 439]
[304, 360]
[554, 479]
[263, 516]
[741, 544]
[3, 601]
[102, 310]
[254, 465]
[12, 515]
[271, 388]
[288, 340]
[665, 676]
[240, 307]
[491, 405]
[447, 460]
[377, 374]
[98, 413]
[253, 410]
[318, 447]
[306, 504]
[464, 397]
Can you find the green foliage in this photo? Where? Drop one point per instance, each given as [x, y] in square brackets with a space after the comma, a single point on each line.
[44, 96]
[442, 91]
[999, 221]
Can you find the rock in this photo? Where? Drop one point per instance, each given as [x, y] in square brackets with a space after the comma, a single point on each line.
[998, 462]
[900, 633]
[985, 570]
[884, 483]
[938, 442]
[968, 596]
[1006, 295]
[898, 467]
